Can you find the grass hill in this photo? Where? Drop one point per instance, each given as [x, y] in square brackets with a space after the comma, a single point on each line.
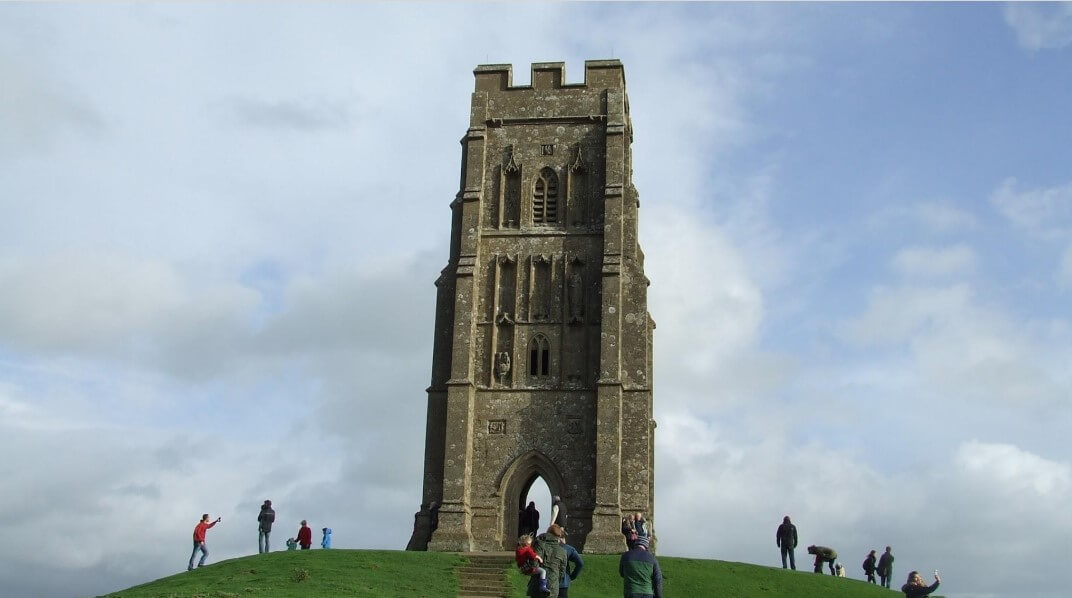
[385, 573]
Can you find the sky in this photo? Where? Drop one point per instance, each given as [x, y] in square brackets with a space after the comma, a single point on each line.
[220, 224]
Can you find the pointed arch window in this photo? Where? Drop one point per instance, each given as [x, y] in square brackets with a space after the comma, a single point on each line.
[545, 197]
[539, 357]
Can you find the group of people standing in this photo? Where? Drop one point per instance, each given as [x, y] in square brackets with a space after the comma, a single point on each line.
[265, 519]
[882, 566]
[305, 534]
[553, 564]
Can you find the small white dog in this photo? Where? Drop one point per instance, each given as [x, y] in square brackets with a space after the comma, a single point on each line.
[839, 570]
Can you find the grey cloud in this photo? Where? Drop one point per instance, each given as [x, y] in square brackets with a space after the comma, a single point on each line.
[300, 115]
[36, 112]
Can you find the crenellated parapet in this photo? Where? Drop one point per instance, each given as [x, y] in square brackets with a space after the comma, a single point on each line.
[598, 74]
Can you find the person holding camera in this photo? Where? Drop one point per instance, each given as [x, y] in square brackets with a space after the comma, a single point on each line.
[916, 588]
[200, 531]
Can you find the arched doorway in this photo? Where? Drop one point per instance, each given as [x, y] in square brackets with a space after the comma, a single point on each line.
[531, 477]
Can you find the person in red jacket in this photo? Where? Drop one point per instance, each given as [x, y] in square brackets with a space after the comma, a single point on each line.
[200, 531]
[305, 535]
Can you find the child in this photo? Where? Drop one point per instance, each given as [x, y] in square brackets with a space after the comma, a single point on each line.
[292, 544]
[326, 542]
[527, 560]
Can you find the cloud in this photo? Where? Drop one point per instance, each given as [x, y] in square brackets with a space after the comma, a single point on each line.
[1040, 26]
[943, 217]
[302, 115]
[706, 469]
[36, 112]
[926, 262]
[1043, 213]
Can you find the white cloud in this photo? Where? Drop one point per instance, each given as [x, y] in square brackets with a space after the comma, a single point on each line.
[928, 262]
[1040, 25]
[943, 217]
[1045, 213]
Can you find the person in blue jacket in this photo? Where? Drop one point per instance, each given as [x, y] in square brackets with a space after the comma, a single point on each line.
[572, 570]
[326, 541]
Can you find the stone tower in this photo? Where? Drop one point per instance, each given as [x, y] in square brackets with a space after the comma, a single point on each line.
[543, 342]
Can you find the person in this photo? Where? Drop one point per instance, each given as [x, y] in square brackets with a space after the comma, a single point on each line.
[786, 539]
[640, 572]
[325, 542]
[422, 529]
[569, 575]
[823, 554]
[869, 566]
[264, 526]
[550, 549]
[305, 535]
[558, 511]
[200, 531]
[433, 515]
[916, 587]
[629, 531]
[532, 519]
[641, 526]
[885, 568]
[292, 544]
[528, 562]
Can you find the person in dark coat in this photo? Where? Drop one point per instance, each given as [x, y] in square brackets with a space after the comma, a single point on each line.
[786, 539]
[885, 567]
[869, 566]
[532, 520]
[916, 588]
[823, 554]
[264, 526]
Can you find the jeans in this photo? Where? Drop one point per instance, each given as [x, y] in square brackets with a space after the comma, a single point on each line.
[792, 561]
[204, 553]
[262, 541]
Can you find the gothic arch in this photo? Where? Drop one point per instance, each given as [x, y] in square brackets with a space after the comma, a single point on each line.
[514, 483]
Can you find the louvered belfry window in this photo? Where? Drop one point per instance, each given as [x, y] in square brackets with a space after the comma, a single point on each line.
[545, 198]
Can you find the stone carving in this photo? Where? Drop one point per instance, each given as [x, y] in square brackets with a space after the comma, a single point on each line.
[502, 366]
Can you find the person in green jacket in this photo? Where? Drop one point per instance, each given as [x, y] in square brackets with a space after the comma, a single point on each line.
[823, 554]
[548, 545]
[641, 575]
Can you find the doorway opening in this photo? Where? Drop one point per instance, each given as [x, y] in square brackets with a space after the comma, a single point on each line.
[539, 495]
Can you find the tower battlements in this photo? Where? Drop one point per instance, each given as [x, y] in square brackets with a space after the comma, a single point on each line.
[598, 74]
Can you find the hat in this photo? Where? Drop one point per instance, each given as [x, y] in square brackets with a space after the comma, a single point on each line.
[641, 541]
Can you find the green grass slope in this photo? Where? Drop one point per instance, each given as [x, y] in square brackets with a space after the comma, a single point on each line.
[696, 578]
[387, 573]
[312, 573]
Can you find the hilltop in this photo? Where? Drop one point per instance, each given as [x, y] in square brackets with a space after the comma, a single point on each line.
[385, 573]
